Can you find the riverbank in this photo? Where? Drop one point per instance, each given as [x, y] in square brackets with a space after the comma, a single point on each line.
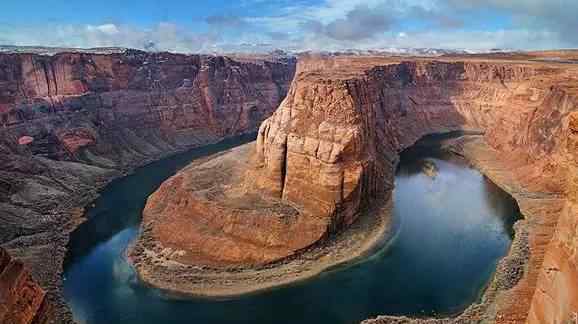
[349, 246]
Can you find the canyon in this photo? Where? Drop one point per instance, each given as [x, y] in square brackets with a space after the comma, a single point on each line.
[72, 122]
[266, 213]
[328, 155]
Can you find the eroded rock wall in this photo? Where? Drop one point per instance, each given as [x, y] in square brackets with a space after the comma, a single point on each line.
[68, 101]
[556, 297]
[22, 299]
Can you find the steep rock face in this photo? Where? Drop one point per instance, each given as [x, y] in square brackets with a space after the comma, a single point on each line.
[556, 296]
[174, 99]
[72, 121]
[23, 301]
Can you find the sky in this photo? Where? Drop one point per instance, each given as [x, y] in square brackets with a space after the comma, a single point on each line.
[262, 25]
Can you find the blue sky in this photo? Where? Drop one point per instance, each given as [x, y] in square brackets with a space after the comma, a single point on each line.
[219, 25]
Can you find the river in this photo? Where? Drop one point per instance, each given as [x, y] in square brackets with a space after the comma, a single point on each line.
[453, 226]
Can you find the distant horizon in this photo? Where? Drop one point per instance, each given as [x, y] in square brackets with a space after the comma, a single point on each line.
[384, 50]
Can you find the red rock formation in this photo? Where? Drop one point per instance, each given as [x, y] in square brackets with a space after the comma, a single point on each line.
[75, 139]
[556, 296]
[168, 98]
[204, 218]
[22, 300]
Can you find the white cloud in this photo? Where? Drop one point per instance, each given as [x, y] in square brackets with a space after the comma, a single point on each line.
[109, 29]
[162, 36]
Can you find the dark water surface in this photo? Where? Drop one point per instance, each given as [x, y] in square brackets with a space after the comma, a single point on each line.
[453, 227]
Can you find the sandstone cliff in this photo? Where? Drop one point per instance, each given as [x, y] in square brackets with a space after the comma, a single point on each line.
[73, 100]
[334, 140]
[556, 296]
[23, 301]
[73, 121]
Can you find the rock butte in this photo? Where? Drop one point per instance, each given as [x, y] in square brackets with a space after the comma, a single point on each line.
[71, 122]
[330, 150]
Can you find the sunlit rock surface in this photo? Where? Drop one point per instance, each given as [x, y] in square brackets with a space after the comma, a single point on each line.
[22, 300]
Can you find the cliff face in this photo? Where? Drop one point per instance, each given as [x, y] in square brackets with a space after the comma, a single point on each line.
[23, 301]
[335, 138]
[65, 102]
[556, 297]
[73, 121]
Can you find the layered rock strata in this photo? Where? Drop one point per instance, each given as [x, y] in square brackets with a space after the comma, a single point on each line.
[332, 146]
[555, 299]
[71, 122]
